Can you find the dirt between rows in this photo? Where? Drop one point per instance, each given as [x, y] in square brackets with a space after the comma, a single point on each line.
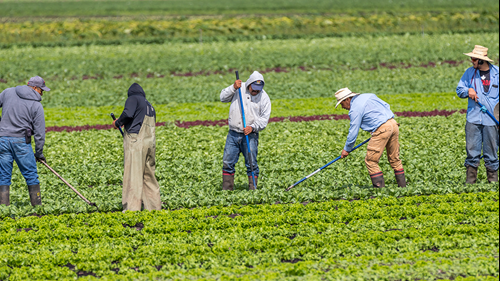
[208, 123]
[263, 71]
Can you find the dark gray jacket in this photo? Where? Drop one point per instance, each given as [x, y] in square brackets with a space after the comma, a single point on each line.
[22, 110]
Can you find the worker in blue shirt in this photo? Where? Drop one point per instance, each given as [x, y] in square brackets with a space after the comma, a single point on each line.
[373, 115]
[480, 83]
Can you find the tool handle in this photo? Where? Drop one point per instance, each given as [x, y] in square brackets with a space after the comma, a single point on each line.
[489, 113]
[244, 126]
[114, 118]
[69, 185]
[329, 163]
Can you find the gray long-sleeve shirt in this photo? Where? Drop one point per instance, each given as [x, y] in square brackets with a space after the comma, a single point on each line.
[22, 110]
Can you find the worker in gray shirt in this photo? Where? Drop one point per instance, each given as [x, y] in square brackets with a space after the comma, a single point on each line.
[22, 117]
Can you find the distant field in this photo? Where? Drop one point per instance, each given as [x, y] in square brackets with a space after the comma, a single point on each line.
[65, 8]
[101, 75]
[150, 29]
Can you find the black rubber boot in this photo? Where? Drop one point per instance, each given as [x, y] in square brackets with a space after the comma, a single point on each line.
[400, 177]
[5, 195]
[378, 180]
[250, 183]
[35, 196]
[492, 176]
[227, 182]
[471, 175]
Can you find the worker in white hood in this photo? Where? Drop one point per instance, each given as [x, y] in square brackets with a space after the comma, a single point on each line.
[257, 107]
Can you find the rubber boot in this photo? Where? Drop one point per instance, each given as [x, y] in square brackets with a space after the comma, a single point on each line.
[400, 177]
[492, 176]
[35, 197]
[378, 180]
[250, 183]
[471, 175]
[227, 182]
[5, 195]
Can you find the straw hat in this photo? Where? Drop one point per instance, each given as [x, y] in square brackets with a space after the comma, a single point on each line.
[343, 94]
[479, 52]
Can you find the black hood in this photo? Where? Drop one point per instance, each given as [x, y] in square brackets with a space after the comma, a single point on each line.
[136, 90]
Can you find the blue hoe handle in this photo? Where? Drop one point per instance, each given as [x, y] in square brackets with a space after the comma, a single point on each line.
[246, 136]
[114, 118]
[489, 113]
[331, 162]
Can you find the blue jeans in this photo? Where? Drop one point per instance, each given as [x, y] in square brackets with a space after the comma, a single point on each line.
[235, 144]
[485, 137]
[17, 149]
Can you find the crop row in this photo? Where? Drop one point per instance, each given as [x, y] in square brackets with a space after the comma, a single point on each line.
[296, 84]
[281, 108]
[189, 166]
[205, 29]
[426, 237]
[329, 64]
[352, 52]
[224, 122]
[62, 8]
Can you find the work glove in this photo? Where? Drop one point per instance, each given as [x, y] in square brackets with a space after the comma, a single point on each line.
[41, 157]
[483, 109]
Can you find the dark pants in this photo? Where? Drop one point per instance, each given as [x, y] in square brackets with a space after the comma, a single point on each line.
[17, 149]
[236, 144]
[485, 138]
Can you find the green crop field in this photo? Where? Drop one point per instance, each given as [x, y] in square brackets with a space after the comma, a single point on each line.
[445, 237]
[39, 8]
[335, 225]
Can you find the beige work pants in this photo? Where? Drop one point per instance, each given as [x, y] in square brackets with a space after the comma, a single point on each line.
[139, 181]
[386, 136]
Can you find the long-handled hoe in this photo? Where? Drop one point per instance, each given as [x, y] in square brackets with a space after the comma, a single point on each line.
[318, 170]
[246, 136]
[69, 185]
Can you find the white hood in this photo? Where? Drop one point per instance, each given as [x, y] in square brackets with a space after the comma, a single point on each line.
[254, 77]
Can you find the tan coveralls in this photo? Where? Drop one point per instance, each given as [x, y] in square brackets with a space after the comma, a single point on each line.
[139, 181]
[386, 136]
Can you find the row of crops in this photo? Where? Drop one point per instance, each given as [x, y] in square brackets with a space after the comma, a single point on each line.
[411, 238]
[100, 75]
[189, 166]
[106, 31]
[173, 112]
[12, 9]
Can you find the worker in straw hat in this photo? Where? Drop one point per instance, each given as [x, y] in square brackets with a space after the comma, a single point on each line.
[480, 84]
[373, 115]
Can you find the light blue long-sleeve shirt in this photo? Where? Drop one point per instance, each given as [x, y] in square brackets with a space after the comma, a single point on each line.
[367, 112]
[488, 99]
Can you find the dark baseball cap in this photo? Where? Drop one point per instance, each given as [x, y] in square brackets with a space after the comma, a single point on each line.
[38, 81]
[257, 85]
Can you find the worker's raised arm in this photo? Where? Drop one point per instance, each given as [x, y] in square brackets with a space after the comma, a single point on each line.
[226, 95]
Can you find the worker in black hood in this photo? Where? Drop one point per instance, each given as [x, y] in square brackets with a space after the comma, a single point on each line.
[139, 145]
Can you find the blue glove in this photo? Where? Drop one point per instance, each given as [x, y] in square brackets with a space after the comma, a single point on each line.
[483, 109]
